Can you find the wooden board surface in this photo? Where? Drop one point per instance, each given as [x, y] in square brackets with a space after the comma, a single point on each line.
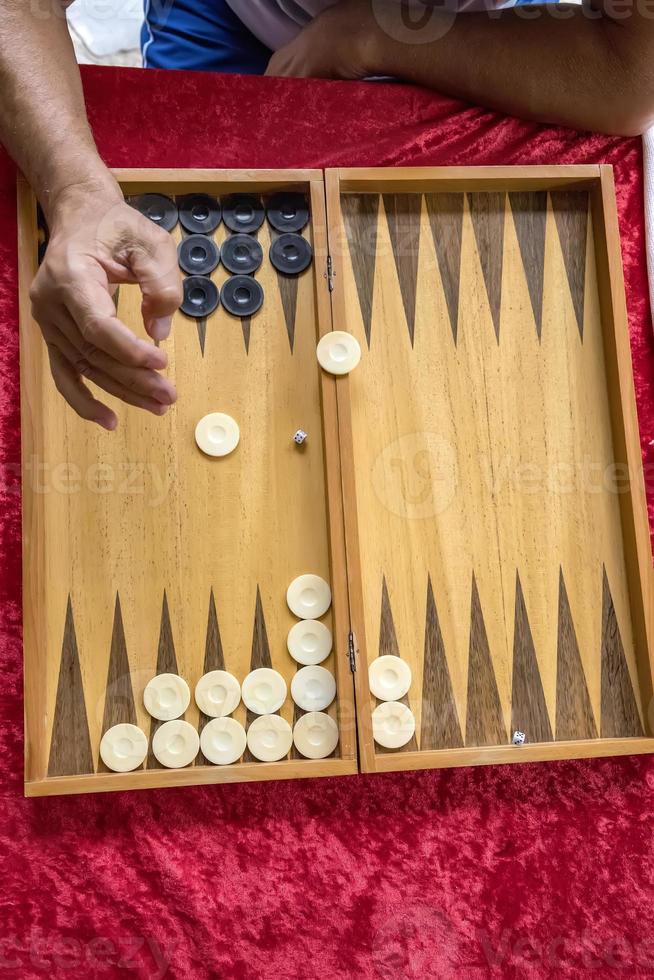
[488, 503]
[473, 491]
[144, 556]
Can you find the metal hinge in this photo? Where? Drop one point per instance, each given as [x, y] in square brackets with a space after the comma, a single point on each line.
[330, 274]
[351, 652]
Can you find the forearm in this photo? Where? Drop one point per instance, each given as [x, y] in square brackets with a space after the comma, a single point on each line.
[43, 121]
[563, 65]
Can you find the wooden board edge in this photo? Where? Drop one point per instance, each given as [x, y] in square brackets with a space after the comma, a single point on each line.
[255, 180]
[33, 558]
[332, 467]
[625, 428]
[510, 754]
[425, 179]
[349, 497]
[190, 776]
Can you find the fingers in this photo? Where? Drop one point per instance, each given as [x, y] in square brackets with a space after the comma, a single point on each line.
[93, 313]
[72, 301]
[141, 387]
[77, 394]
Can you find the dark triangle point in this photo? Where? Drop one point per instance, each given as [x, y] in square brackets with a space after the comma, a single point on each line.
[528, 706]
[574, 713]
[403, 217]
[201, 325]
[484, 720]
[288, 289]
[388, 645]
[246, 324]
[166, 664]
[487, 213]
[440, 728]
[260, 657]
[529, 209]
[360, 217]
[619, 717]
[571, 214]
[119, 706]
[70, 746]
[213, 660]
[445, 213]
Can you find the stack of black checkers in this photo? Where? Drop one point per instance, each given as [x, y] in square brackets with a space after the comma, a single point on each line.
[241, 253]
[198, 254]
[290, 252]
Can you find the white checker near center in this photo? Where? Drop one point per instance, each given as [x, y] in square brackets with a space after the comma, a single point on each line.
[264, 691]
[123, 748]
[269, 738]
[217, 434]
[217, 694]
[223, 741]
[175, 744]
[166, 696]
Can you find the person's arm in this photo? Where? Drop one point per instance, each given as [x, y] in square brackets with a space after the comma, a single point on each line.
[581, 67]
[96, 239]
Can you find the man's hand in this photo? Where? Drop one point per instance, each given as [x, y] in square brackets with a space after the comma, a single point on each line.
[334, 45]
[96, 242]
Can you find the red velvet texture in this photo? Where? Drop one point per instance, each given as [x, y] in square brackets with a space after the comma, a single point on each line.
[503, 871]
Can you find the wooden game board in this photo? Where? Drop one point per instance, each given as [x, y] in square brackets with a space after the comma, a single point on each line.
[455, 490]
[484, 435]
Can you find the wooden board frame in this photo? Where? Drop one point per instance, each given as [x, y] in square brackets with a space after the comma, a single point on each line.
[35, 570]
[341, 476]
[598, 181]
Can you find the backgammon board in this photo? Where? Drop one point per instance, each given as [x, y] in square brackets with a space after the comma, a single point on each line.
[472, 491]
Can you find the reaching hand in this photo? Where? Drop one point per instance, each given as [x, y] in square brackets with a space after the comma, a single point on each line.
[96, 242]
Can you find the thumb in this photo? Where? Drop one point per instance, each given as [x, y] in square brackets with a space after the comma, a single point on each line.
[155, 268]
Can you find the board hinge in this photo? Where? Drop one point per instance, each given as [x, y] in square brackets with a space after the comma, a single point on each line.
[330, 274]
[351, 653]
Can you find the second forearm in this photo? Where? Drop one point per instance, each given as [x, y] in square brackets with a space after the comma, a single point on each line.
[558, 65]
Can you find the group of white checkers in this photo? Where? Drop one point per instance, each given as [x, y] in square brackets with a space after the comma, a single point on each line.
[223, 740]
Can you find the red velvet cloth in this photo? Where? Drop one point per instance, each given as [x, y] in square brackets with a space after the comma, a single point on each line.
[541, 870]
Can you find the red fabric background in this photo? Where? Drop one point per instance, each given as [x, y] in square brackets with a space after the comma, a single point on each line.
[540, 870]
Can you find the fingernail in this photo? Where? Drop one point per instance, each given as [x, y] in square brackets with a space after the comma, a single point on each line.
[108, 423]
[160, 327]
